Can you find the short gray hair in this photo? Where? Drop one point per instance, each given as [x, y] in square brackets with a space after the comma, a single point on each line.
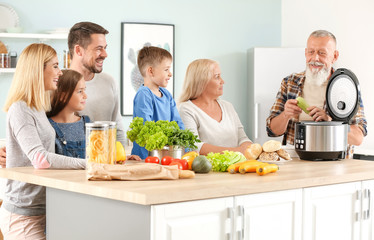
[323, 33]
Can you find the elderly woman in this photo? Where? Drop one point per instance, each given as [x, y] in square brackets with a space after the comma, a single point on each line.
[214, 120]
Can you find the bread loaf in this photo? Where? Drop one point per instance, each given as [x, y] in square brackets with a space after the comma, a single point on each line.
[269, 156]
[253, 151]
[271, 146]
[284, 154]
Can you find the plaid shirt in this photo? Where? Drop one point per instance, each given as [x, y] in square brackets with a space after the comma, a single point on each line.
[291, 88]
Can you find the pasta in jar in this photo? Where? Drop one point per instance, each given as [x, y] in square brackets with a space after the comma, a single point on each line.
[112, 138]
[97, 143]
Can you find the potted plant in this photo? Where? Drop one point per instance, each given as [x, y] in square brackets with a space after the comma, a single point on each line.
[161, 138]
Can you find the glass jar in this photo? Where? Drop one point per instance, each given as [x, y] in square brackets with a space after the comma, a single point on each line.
[112, 131]
[97, 143]
[13, 59]
[67, 59]
[4, 60]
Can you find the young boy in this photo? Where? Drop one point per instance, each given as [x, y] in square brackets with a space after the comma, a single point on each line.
[153, 101]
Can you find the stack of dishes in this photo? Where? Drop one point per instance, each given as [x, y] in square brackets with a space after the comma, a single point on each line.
[9, 20]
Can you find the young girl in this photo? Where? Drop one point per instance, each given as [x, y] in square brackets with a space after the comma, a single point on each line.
[69, 98]
[30, 141]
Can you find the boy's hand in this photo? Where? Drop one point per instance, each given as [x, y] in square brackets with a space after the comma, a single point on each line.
[133, 157]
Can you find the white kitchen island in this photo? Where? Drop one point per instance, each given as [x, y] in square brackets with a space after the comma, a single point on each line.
[300, 201]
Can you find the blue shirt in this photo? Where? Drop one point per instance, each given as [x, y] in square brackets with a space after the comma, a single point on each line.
[153, 108]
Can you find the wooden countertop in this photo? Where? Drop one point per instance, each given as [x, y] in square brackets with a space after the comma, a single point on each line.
[293, 174]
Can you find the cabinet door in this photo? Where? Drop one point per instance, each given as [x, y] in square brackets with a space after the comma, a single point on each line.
[205, 219]
[332, 212]
[367, 223]
[273, 215]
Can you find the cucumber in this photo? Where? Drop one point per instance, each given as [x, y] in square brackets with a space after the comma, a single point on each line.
[302, 104]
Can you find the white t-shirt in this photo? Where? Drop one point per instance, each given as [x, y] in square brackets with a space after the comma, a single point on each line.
[102, 102]
[314, 95]
[227, 133]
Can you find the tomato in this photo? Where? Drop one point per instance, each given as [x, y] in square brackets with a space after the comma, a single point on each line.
[184, 163]
[177, 163]
[152, 160]
[166, 160]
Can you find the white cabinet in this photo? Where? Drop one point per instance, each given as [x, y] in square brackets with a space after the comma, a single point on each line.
[274, 215]
[340, 211]
[332, 212]
[243, 217]
[367, 204]
[205, 219]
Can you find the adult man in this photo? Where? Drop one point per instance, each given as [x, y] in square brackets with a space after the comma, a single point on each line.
[87, 47]
[320, 55]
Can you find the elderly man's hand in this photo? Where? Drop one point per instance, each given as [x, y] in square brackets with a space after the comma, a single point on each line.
[291, 110]
[318, 114]
[3, 157]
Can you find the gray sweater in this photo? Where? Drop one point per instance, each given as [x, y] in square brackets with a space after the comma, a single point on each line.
[31, 142]
[102, 102]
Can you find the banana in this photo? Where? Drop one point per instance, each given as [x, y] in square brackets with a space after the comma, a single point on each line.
[302, 104]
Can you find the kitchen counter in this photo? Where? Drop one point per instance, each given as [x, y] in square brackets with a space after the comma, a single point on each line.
[185, 208]
[292, 175]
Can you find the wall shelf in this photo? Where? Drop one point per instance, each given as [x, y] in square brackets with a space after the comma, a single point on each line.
[40, 36]
[7, 70]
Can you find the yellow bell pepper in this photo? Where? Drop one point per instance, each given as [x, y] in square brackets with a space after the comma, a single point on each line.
[190, 156]
[121, 153]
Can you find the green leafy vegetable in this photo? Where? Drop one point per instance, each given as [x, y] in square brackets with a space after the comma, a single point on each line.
[155, 135]
[220, 162]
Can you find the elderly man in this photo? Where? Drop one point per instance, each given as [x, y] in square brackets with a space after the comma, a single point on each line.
[320, 55]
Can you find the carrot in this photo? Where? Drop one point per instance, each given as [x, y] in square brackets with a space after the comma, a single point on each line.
[250, 166]
[234, 168]
[264, 169]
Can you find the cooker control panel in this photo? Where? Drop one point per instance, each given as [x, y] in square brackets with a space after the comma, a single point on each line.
[300, 137]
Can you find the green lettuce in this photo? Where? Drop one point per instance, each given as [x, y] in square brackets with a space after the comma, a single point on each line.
[220, 162]
[155, 135]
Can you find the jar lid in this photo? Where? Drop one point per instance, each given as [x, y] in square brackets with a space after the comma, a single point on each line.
[110, 123]
[342, 95]
[97, 125]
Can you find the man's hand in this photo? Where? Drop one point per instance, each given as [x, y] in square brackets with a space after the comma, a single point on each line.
[3, 157]
[291, 110]
[318, 114]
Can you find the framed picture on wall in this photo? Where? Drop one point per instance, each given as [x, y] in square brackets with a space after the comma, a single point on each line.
[134, 36]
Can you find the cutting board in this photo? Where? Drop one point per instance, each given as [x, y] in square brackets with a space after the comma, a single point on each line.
[3, 48]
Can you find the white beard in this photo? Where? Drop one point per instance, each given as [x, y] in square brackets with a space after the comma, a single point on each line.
[317, 78]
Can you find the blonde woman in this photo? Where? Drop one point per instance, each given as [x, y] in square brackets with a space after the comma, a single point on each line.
[30, 141]
[215, 121]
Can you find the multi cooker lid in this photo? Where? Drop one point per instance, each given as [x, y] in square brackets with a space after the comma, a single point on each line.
[342, 95]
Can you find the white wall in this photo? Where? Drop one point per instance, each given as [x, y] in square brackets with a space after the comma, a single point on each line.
[221, 30]
[351, 22]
